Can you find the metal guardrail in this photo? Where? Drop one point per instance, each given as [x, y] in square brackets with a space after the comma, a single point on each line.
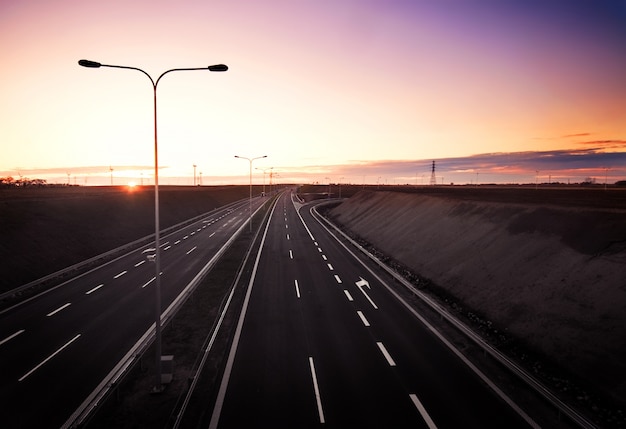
[504, 360]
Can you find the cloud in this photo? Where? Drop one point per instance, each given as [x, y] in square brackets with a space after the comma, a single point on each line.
[576, 135]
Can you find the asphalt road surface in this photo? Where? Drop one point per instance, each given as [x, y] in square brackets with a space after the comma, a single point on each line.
[324, 344]
[56, 348]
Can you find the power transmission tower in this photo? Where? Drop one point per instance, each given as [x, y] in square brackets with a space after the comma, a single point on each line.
[433, 178]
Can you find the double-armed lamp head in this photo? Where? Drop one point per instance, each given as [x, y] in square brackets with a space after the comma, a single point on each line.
[95, 65]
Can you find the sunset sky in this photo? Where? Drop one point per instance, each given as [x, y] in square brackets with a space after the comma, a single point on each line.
[341, 90]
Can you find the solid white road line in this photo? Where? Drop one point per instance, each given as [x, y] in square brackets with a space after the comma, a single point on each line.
[52, 313]
[89, 292]
[48, 358]
[192, 249]
[363, 319]
[318, 399]
[10, 337]
[139, 263]
[423, 412]
[338, 279]
[120, 274]
[297, 289]
[348, 295]
[386, 354]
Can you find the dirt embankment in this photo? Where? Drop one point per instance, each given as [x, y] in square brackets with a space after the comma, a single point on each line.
[43, 230]
[553, 276]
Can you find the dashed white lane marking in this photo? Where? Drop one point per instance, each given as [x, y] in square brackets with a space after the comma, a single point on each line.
[338, 279]
[423, 412]
[287, 236]
[89, 292]
[319, 249]
[168, 247]
[48, 358]
[117, 276]
[330, 267]
[286, 226]
[194, 232]
[348, 295]
[10, 337]
[212, 234]
[318, 398]
[177, 241]
[185, 237]
[148, 282]
[52, 313]
[290, 254]
[297, 289]
[192, 249]
[384, 351]
[363, 319]
[324, 257]
[164, 244]
[139, 263]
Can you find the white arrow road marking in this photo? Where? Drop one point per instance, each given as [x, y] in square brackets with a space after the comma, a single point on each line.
[423, 412]
[360, 285]
[48, 358]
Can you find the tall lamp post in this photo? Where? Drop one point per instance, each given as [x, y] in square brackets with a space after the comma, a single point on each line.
[157, 259]
[250, 160]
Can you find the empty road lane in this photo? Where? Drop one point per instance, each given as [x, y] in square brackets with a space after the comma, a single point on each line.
[323, 343]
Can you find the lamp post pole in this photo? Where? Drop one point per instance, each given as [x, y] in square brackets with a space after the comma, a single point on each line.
[158, 387]
[250, 160]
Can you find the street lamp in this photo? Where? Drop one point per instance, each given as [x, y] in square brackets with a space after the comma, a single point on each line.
[157, 260]
[264, 170]
[250, 160]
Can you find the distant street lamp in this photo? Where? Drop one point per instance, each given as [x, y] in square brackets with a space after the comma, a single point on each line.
[250, 160]
[157, 259]
[264, 170]
[194, 174]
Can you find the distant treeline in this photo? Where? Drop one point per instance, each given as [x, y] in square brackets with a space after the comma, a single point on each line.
[10, 182]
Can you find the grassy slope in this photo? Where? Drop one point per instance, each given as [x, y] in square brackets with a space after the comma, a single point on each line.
[43, 230]
[552, 274]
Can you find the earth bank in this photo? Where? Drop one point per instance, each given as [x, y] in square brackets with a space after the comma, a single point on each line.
[550, 275]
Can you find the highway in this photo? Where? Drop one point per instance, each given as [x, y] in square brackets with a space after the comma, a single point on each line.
[57, 347]
[321, 343]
